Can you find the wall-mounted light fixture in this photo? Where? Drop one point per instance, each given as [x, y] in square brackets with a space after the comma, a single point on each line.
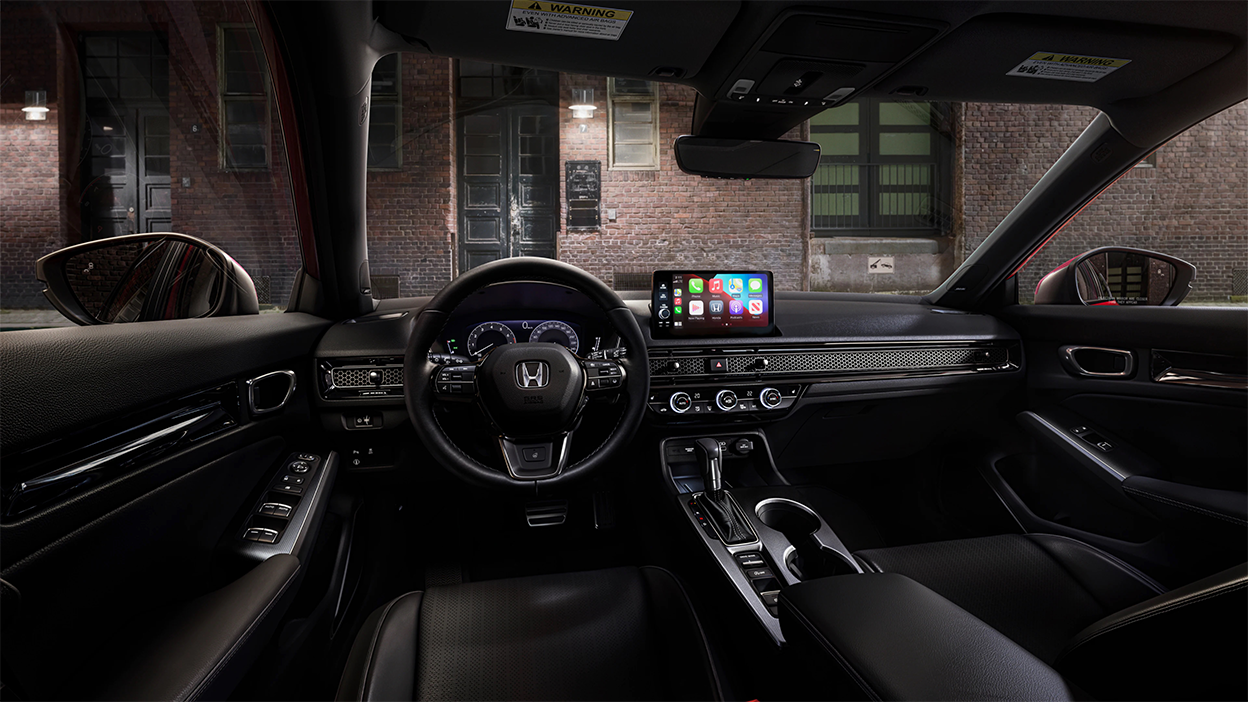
[582, 105]
[36, 108]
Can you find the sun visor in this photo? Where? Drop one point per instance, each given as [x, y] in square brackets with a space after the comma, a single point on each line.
[1036, 59]
[669, 40]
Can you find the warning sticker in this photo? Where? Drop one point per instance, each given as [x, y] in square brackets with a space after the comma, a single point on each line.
[1057, 66]
[541, 17]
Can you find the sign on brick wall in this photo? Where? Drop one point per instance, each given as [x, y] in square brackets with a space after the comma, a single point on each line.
[584, 188]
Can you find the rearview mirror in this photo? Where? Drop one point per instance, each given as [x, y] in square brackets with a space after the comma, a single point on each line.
[144, 277]
[1117, 276]
[746, 158]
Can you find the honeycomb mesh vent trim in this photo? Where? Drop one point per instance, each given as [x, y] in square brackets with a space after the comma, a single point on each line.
[845, 361]
[358, 377]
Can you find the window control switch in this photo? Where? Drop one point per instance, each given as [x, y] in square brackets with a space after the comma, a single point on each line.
[291, 489]
[264, 536]
[275, 509]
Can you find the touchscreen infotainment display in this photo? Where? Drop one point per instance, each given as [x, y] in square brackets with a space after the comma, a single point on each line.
[711, 303]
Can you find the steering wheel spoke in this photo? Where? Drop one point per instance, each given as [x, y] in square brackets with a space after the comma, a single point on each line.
[535, 459]
[604, 380]
[455, 383]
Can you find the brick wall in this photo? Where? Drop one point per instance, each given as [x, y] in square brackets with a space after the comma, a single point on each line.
[1193, 204]
[411, 211]
[667, 219]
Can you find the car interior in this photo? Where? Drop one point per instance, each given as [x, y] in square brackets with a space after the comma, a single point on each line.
[530, 485]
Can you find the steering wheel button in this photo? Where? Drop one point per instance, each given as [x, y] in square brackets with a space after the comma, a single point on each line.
[535, 454]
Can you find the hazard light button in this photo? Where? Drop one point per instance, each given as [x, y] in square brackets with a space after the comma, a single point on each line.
[716, 365]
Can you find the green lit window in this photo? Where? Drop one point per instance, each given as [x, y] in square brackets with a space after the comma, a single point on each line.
[633, 124]
[886, 169]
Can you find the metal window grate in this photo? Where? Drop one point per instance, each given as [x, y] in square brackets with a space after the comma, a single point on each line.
[264, 290]
[358, 377]
[385, 287]
[625, 280]
[1239, 282]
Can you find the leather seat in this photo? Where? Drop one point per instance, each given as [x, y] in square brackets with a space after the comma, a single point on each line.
[623, 633]
[1107, 627]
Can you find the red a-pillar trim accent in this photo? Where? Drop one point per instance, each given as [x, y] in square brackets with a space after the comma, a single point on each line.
[284, 99]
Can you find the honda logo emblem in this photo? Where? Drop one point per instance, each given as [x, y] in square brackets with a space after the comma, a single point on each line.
[532, 374]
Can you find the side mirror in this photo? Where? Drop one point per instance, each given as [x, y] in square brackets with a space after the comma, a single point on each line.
[746, 158]
[144, 277]
[1117, 276]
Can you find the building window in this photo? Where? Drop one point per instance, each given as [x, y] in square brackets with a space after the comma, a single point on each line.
[385, 116]
[244, 89]
[886, 169]
[1149, 161]
[632, 125]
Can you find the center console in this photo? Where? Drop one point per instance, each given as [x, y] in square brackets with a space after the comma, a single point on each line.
[764, 537]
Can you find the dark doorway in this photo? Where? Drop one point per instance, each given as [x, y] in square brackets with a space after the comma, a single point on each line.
[508, 185]
[125, 187]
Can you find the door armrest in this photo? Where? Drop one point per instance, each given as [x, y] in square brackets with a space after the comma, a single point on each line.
[209, 644]
[1227, 505]
[899, 640]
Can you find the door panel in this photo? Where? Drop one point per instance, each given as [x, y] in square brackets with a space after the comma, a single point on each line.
[1098, 439]
[116, 559]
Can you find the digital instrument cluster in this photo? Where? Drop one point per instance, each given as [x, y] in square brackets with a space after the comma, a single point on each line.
[478, 339]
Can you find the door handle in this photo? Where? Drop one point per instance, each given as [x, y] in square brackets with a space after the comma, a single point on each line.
[1097, 361]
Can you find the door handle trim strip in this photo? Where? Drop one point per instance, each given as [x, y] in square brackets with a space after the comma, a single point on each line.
[1207, 379]
[1067, 355]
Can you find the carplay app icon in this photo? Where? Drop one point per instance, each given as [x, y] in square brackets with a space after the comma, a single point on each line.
[735, 307]
[734, 286]
[695, 286]
[756, 285]
[756, 306]
[695, 307]
[717, 306]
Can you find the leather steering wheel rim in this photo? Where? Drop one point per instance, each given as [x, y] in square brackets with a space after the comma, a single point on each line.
[419, 371]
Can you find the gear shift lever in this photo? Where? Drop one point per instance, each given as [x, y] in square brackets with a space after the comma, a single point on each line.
[714, 501]
[712, 466]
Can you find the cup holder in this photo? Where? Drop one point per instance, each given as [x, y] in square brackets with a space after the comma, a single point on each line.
[807, 559]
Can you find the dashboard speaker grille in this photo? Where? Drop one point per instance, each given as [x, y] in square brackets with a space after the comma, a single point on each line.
[358, 377]
[841, 361]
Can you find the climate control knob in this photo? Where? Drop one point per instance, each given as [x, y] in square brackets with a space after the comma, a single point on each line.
[664, 313]
[726, 400]
[770, 398]
[680, 402]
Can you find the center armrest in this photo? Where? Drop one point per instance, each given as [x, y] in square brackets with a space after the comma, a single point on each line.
[898, 640]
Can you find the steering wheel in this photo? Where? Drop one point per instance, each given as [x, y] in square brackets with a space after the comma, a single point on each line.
[532, 393]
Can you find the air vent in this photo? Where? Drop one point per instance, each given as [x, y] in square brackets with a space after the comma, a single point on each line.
[766, 363]
[368, 377]
[361, 377]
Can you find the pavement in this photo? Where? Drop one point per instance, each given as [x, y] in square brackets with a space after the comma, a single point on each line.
[11, 320]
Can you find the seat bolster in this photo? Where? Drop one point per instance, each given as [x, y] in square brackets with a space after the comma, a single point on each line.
[682, 637]
[382, 662]
[1113, 583]
[1199, 629]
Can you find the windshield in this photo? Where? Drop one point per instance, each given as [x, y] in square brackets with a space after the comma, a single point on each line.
[470, 162]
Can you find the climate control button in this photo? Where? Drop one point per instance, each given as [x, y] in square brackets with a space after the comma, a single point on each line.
[770, 398]
[680, 402]
[726, 400]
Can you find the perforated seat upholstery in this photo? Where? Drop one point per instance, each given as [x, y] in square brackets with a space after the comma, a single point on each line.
[623, 633]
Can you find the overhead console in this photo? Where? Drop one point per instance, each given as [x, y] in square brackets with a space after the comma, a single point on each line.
[809, 60]
[812, 59]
